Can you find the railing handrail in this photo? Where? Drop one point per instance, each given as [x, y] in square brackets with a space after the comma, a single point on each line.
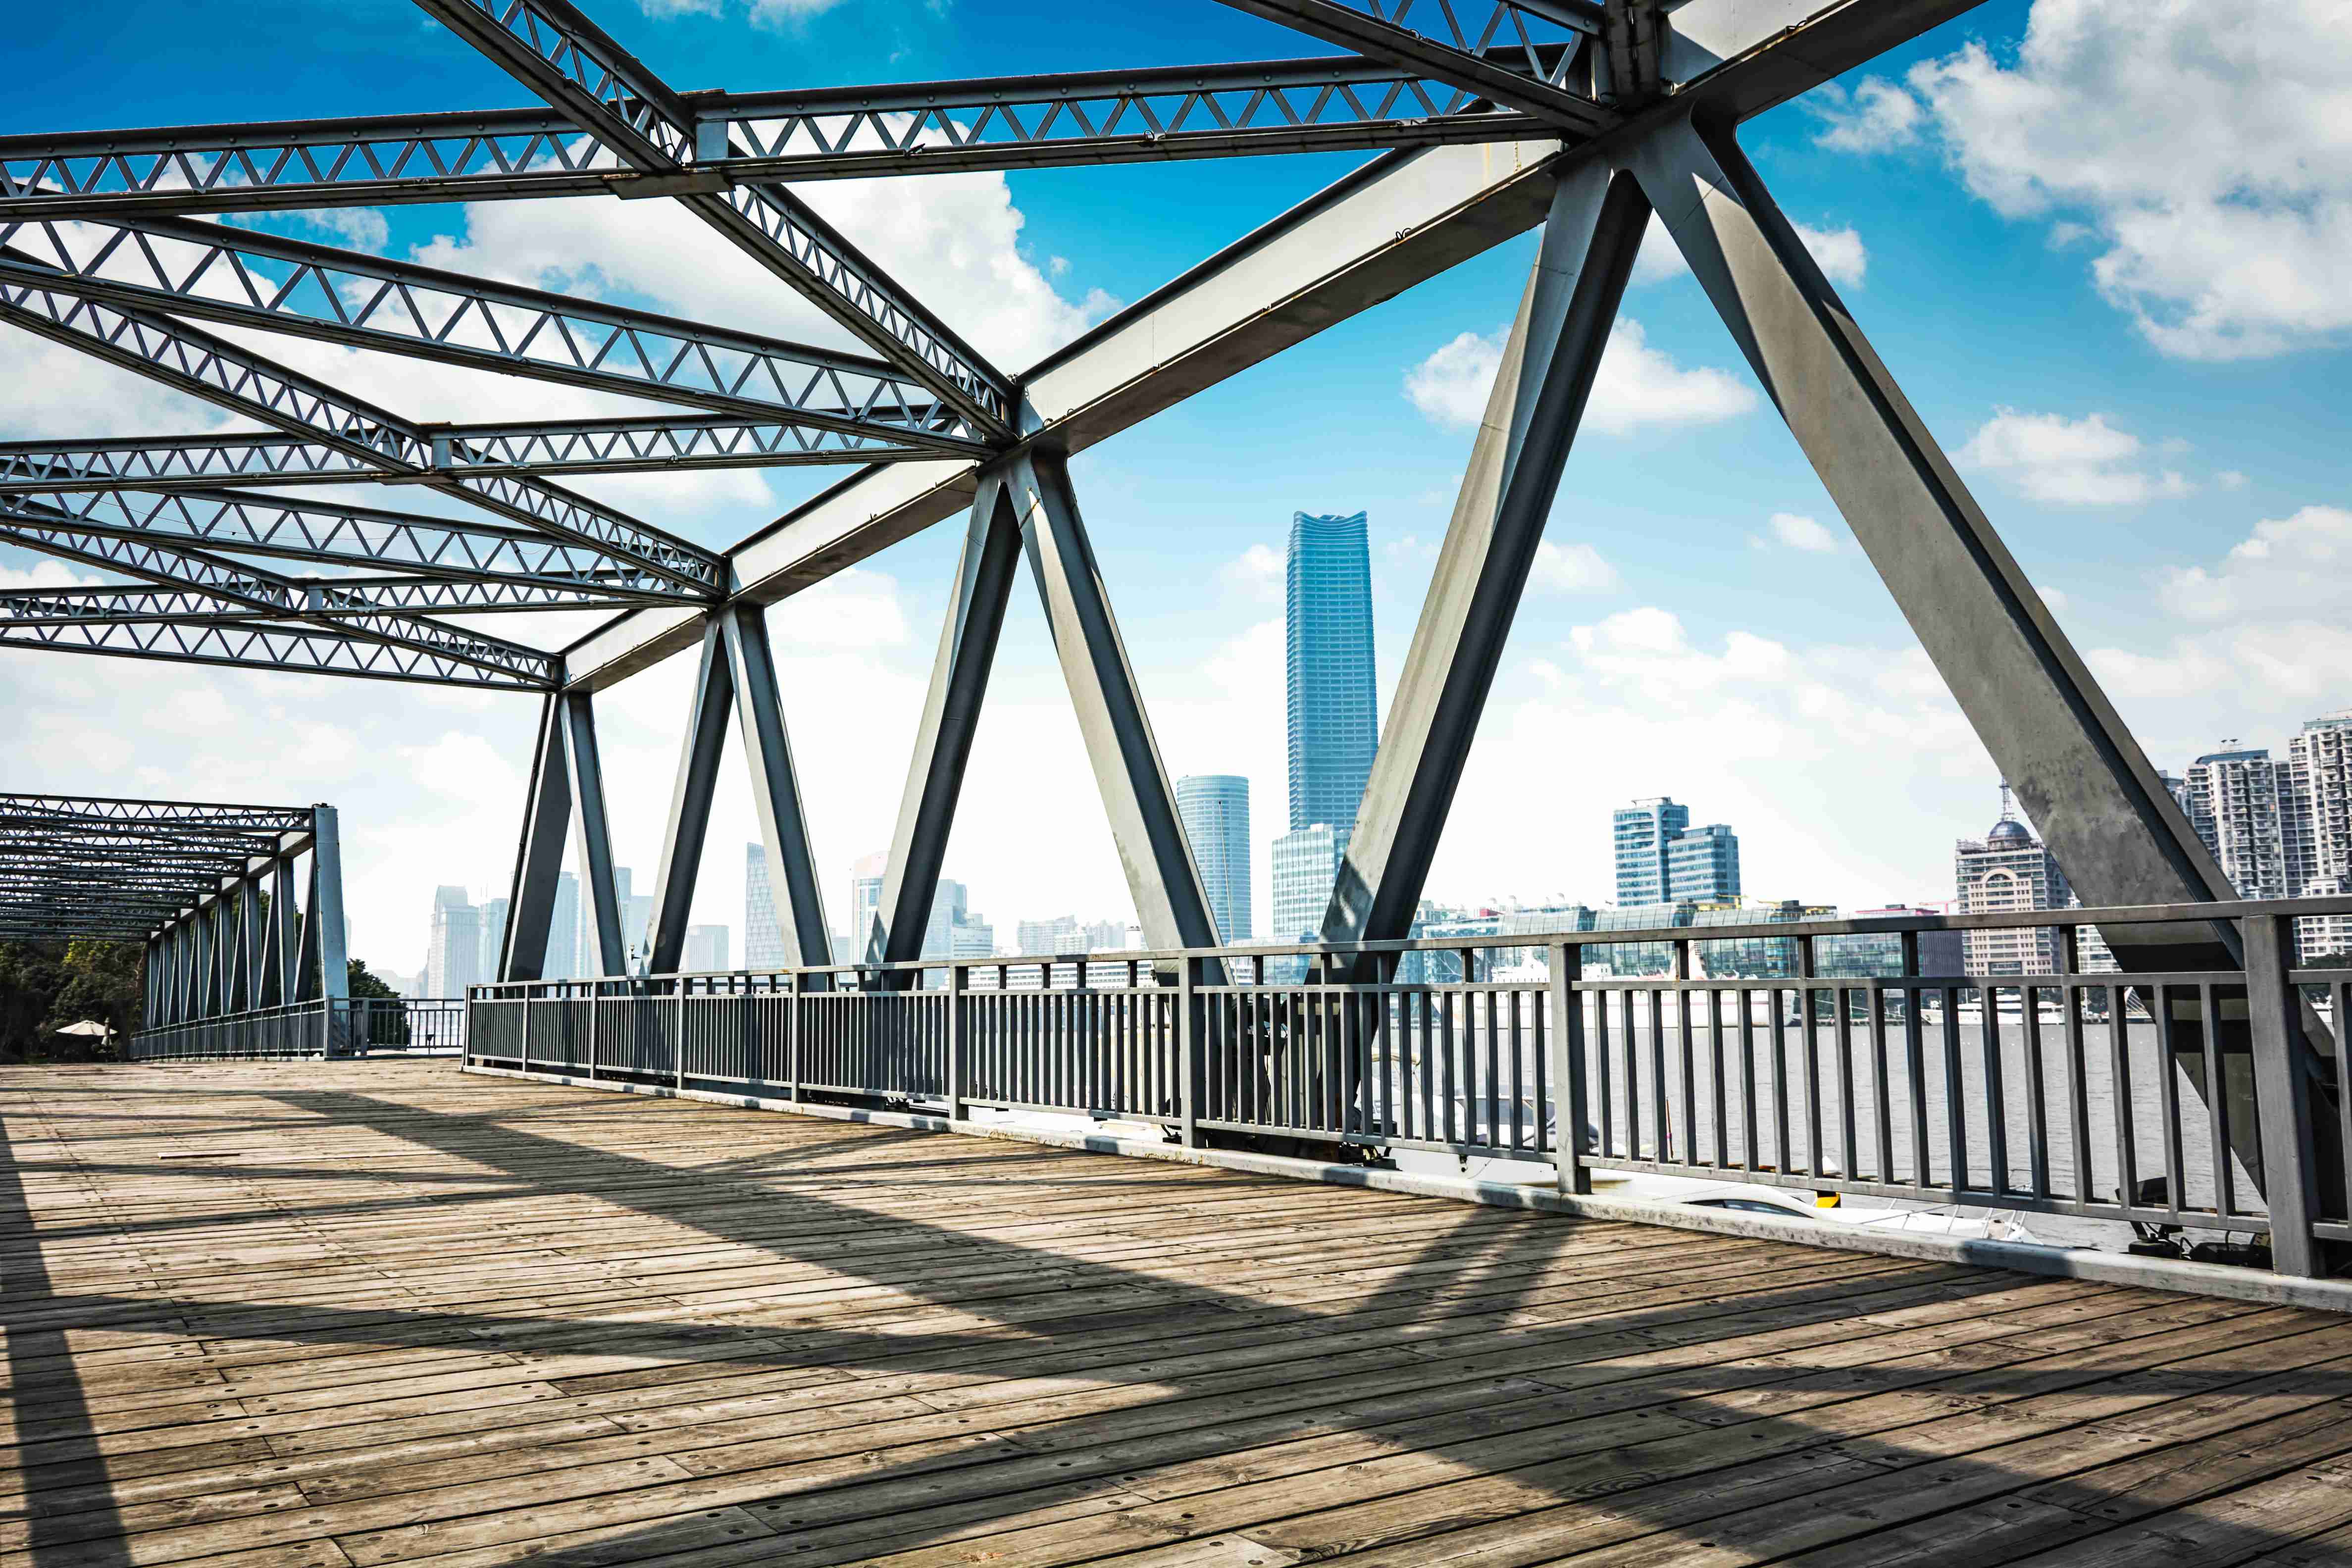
[283, 1008]
[1872, 925]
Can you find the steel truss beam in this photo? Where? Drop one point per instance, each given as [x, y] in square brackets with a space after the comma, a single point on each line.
[126, 814]
[1597, 218]
[241, 277]
[255, 645]
[1471, 45]
[209, 581]
[1089, 118]
[565, 446]
[555, 50]
[1170, 901]
[967, 653]
[253, 523]
[220, 373]
[1063, 120]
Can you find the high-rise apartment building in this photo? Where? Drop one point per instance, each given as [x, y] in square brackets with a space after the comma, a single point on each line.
[2233, 803]
[763, 939]
[562, 961]
[1703, 864]
[453, 955]
[867, 875]
[2009, 869]
[494, 938]
[1661, 859]
[1215, 808]
[1062, 934]
[705, 949]
[1335, 723]
[2318, 850]
[1639, 835]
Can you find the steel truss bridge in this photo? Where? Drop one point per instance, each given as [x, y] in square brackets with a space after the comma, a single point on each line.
[1583, 118]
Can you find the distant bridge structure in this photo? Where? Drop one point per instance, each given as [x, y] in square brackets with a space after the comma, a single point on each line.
[1582, 118]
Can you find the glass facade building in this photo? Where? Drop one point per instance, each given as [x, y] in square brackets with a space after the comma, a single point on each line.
[763, 939]
[1703, 864]
[1639, 836]
[1215, 808]
[1333, 712]
[1304, 865]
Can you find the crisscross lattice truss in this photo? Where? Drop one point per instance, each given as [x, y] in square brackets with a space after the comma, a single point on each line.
[102, 247]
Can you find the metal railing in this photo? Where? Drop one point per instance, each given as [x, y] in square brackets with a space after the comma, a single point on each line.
[339, 1027]
[2058, 1092]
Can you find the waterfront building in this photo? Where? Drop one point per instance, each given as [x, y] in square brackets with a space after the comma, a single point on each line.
[2009, 868]
[971, 937]
[494, 937]
[1703, 864]
[1060, 933]
[2233, 803]
[1306, 864]
[1879, 956]
[1334, 720]
[2320, 777]
[453, 954]
[706, 950]
[763, 939]
[1639, 833]
[1215, 808]
[866, 876]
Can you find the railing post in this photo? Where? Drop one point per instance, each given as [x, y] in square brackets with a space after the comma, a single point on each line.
[956, 983]
[1567, 1046]
[525, 1034]
[2281, 1095]
[677, 1047]
[792, 1039]
[1188, 1051]
[596, 1010]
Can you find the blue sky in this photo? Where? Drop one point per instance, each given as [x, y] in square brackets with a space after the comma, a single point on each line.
[2099, 243]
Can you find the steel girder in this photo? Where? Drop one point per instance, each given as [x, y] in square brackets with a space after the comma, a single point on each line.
[1064, 120]
[213, 580]
[242, 277]
[559, 447]
[257, 645]
[129, 867]
[559, 53]
[254, 523]
[247, 384]
[125, 814]
[1091, 118]
[1538, 58]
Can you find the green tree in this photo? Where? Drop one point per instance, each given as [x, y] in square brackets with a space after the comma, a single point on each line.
[45, 985]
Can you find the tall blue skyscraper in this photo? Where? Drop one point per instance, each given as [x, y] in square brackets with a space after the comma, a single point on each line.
[1335, 723]
[763, 940]
[1215, 808]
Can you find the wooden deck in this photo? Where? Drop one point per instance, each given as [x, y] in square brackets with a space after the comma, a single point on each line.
[381, 1312]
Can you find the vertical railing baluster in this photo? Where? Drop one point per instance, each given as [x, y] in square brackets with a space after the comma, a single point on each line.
[2037, 1115]
[1849, 1153]
[2168, 1098]
[1956, 1125]
[1745, 1001]
[1567, 1053]
[2217, 1109]
[1881, 1096]
[2119, 1093]
[1812, 1036]
[1997, 1088]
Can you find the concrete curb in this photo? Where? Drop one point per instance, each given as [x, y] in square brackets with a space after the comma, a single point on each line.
[2065, 1263]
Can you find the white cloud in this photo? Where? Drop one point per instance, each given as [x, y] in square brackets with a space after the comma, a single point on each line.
[46, 574]
[1257, 575]
[2053, 597]
[2286, 568]
[2069, 462]
[1637, 387]
[2257, 635]
[1797, 532]
[2230, 479]
[2211, 160]
[1846, 770]
[1875, 116]
[1843, 258]
[1572, 568]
